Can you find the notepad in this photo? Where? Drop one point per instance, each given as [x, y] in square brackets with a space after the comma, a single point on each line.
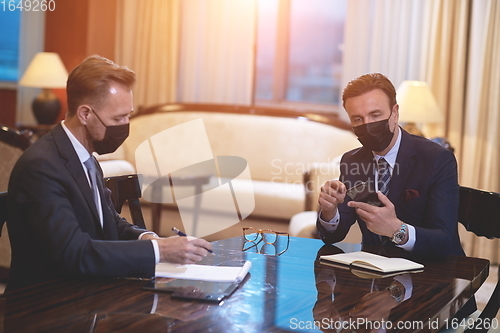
[373, 262]
[203, 272]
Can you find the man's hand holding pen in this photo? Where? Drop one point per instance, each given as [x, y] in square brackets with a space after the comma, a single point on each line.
[181, 250]
[332, 193]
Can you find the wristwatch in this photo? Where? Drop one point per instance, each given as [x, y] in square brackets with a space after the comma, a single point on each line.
[396, 292]
[399, 235]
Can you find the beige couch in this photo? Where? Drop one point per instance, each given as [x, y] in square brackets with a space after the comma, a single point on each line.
[279, 146]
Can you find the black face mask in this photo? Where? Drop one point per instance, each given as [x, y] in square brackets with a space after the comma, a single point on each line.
[375, 136]
[113, 137]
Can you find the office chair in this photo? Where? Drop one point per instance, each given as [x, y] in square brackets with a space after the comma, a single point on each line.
[126, 188]
[479, 212]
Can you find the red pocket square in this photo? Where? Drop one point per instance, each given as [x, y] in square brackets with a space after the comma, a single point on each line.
[411, 194]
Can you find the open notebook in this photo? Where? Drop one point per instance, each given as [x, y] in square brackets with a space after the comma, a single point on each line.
[370, 261]
[203, 272]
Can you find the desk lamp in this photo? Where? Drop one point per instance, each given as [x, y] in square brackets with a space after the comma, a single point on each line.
[45, 71]
[417, 105]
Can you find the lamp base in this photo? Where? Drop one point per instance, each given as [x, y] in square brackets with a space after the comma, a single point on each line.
[46, 107]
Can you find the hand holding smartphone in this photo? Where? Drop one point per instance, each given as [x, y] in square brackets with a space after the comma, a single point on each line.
[363, 192]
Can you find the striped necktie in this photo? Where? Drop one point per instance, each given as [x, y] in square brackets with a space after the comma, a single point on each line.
[384, 176]
[92, 171]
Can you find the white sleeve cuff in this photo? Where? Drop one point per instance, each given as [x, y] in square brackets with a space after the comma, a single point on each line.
[156, 248]
[405, 280]
[412, 237]
[148, 232]
[332, 224]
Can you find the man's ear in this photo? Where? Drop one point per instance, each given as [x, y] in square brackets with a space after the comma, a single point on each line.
[83, 113]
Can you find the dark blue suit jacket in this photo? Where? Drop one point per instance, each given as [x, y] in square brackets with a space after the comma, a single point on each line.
[53, 224]
[423, 188]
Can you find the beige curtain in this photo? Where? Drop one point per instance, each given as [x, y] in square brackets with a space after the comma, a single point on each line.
[444, 64]
[217, 51]
[148, 43]
[384, 36]
[480, 156]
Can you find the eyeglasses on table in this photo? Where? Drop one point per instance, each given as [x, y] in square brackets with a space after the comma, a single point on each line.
[265, 241]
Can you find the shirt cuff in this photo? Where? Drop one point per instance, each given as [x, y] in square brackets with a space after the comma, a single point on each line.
[146, 233]
[405, 280]
[156, 248]
[332, 224]
[412, 238]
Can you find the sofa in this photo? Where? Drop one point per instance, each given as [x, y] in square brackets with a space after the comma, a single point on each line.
[279, 146]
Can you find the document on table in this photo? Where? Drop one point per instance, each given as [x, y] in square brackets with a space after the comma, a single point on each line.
[203, 272]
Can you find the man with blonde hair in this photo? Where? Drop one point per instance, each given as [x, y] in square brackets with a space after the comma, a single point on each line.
[60, 223]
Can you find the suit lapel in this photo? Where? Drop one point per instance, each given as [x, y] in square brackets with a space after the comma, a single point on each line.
[404, 165]
[75, 168]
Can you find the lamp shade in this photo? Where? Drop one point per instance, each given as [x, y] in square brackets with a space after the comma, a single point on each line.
[417, 103]
[46, 70]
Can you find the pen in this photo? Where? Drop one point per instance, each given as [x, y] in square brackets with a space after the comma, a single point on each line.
[180, 233]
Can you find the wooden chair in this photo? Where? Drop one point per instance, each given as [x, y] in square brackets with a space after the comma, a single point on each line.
[126, 188]
[479, 212]
[12, 145]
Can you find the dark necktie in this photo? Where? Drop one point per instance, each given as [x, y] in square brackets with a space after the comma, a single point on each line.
[384, 176]
[91, 168]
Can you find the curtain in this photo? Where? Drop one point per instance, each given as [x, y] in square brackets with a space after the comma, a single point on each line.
[384, 36]
[217, 51]
[480, 160]
[148, 43]
[444, 65]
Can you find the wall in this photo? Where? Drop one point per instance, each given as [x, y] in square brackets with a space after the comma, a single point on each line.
[78, 29]
[8, 107]
[75, 30]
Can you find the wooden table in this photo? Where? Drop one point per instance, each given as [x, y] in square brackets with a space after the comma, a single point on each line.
[287, 293]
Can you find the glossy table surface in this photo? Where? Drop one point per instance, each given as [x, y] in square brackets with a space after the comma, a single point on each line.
[287, 293]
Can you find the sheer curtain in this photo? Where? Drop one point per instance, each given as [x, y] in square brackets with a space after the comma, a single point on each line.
[384, 36]
[217, 51]
[480, 160]
[148, 42]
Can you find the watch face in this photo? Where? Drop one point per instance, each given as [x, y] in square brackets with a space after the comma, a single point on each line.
[398, 237]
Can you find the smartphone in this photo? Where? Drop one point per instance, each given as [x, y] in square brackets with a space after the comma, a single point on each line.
[363, 192]
[209, 291]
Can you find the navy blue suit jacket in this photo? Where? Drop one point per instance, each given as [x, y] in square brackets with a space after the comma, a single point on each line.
[54, 226]
[424, 190]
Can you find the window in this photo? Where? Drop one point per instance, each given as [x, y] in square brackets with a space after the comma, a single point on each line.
[9, 45]
[299, 55]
